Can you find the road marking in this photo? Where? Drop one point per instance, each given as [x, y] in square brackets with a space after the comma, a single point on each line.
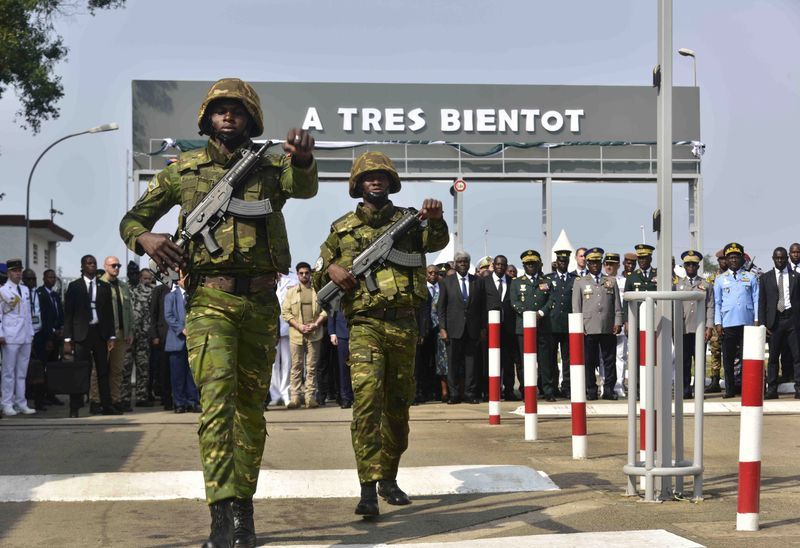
[606, 539]
[272, 484]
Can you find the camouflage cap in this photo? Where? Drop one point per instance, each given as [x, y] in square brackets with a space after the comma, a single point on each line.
[373, 161]
[239, 90]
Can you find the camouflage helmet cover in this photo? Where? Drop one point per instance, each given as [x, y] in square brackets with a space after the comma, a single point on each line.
[234, 88]
[373, 161]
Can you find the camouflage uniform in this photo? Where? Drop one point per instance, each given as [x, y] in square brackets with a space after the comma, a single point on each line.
[714, 362]
[139, 353]
[383, 328]
[231, 337]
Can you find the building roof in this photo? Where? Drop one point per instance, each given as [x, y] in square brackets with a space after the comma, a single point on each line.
[44, 227]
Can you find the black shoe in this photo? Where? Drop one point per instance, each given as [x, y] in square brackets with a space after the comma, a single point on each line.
[39, 406]
[610, 396]
[346, 404]
[95, 408]
[195, 408]
[473, 401]
[180, 409]
[73, 413]
[727, 395]
[51, 399]
[368, 505]
[119, 407]
[244, 530]
[453, 401]
[550, 397]
[221, 525]
[510, 396]
[126, 406]
[391, 493]
[144, 403]
[111, 410]
[714, 387]
[771, 395]
[168, 406]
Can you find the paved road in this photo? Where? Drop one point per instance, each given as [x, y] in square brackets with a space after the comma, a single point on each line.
[590, 498]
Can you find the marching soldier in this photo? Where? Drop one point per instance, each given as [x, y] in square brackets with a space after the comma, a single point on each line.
[735, 306]
[597, 297]
[558, 310]
[383, 326]
[715, 342]
[232, 320]
[531, 291]
[693, 282]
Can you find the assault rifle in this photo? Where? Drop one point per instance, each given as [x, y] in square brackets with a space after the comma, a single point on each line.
[371, 259]
[215, 206]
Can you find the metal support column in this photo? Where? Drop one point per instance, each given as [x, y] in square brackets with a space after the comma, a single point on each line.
[664, 183]
[547, 222]
[458, 219]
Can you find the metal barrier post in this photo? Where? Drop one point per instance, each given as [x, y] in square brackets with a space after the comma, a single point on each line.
[678, 328]
[633, 377]
[494, 367]
[577, 374]
[699, 396]
[530, 375]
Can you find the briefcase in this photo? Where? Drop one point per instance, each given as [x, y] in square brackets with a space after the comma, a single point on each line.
[68, 377]
[35, 373]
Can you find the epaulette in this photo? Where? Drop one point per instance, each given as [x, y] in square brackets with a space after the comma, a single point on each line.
[191, 159]
[346, 222]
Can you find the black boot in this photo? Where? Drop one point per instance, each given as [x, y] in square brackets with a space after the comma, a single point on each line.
[714, 387]
[221, 525]
[391, 493]
[368, 505]
[244, 530]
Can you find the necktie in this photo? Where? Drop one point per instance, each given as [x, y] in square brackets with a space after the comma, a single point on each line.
[781, 305]
[734, 274]
[563, 277]
[597, 279]
[19, 290]
[91, 299]
[500, 288]
[464, 289]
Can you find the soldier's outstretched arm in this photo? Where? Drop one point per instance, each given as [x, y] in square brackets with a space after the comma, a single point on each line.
[435, 236]
[299, 175]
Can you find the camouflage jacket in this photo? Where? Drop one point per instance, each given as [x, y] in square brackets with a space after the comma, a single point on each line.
[140, 295]
[398, 286]
[251, 246]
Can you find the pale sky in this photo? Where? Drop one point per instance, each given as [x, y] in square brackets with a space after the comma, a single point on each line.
[747, 69]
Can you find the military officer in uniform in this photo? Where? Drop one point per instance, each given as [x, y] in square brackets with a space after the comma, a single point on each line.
[597, 297]
[715, 343]
[531, 291]
[693, 282]
[16, 338]
[644, 277]
[383, 326]
[735, 306]
[233, 311]
[558, 310]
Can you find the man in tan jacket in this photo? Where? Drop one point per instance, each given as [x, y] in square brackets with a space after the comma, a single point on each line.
[305, 318]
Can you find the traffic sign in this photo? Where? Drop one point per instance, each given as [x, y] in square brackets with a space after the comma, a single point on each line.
[460, 185]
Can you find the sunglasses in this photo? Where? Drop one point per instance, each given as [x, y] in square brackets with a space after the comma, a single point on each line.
[115, 265]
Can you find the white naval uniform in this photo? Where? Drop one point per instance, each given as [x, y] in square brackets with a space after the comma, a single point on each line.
[16, 328]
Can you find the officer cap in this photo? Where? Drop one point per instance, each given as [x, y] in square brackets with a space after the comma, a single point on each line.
[719, 254]
[373, 161]
[14, 264]
[530, 256]
[442, 268]
[733, 247]
[562, 253]
[594, 254]
[644, 250]
[691, 256]
[484, 262]
[612, 258]
[238, 90]
[630, 256]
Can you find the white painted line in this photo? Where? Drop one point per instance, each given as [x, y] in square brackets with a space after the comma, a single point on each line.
[606, 539]
[272, 484]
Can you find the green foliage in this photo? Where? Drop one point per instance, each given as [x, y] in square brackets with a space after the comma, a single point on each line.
[30, 49]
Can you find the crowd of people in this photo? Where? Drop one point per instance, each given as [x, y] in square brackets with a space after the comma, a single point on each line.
[133, 332]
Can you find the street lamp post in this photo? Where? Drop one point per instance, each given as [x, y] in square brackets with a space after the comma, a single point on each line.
[686, 52]
[105, 127]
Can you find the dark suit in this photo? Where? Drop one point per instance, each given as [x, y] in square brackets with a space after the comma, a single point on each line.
[782, 325]
[425, 359]
[51, 313]
[462, 321]
[560, 308]
[158, 330]
[90, 340]
[509, 350]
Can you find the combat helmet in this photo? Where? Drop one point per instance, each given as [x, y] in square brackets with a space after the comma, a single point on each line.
[233, 88]
[373, 161]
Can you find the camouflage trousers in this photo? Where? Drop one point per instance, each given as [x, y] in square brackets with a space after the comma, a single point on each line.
[382, 370]
[714, 361]
[231, 343]
[138, 356]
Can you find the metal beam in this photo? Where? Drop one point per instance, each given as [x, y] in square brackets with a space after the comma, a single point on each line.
[547, 222]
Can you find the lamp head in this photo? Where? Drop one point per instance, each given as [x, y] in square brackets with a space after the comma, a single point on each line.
[105, 127]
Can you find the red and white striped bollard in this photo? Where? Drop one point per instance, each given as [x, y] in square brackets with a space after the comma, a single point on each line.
[577, 379]
[494, 367]
[750, 431]
[530, 364]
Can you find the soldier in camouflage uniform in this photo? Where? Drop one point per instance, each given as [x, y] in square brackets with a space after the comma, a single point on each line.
[715, 342]
[383, 328]
[139, 353]
[233, 310]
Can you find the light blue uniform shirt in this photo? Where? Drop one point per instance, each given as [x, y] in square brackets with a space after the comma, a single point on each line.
[735, 299]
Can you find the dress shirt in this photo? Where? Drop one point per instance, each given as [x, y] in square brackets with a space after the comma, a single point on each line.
[787, 304]
[465, 277]
[433, 289]
[497, 285]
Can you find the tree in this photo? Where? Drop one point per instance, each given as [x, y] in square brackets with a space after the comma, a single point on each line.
[30, 49]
